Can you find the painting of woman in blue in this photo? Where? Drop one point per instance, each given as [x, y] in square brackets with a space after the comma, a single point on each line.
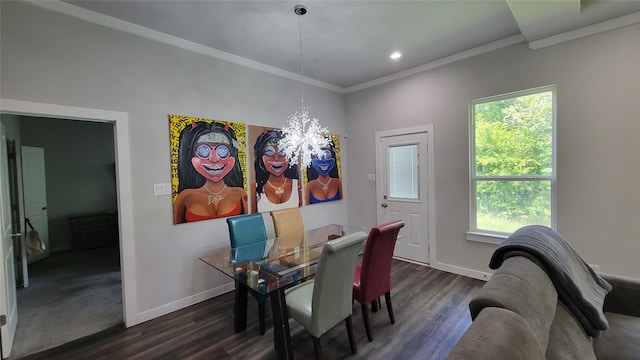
[211, 182]
[323, 178]
[276, 184]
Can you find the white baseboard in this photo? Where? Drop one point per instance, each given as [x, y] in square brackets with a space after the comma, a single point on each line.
[452, 269]
[410, 261]
[462, 271]
[182, 303]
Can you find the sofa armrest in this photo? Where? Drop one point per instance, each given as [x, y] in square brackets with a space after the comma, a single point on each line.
[521, 286]
[625, 296]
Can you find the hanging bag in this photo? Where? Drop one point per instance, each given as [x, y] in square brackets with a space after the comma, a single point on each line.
[34, 243]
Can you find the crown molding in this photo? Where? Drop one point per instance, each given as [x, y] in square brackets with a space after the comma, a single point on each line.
[607, 25]
[117, 24]
[511, 40]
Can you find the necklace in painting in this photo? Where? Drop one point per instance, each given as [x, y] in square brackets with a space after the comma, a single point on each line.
[214, 198]
[279, 190]
[325, 187]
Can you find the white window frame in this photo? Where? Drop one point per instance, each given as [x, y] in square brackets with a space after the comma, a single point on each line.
[496, 237]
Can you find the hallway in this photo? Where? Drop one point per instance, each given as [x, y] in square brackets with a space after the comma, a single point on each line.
[70, 295]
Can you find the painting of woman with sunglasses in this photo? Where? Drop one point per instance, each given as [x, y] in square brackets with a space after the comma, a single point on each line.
[211, 182]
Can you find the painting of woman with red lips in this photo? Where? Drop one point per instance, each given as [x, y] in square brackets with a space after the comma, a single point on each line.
[210, 177]
[276, 184]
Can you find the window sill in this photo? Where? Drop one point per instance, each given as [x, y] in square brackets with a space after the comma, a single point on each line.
[486, 238]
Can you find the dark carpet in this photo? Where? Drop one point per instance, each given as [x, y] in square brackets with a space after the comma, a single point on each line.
[70, 295]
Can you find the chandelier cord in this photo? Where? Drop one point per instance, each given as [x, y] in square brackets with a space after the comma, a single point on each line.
[303, 137]
[301, 60]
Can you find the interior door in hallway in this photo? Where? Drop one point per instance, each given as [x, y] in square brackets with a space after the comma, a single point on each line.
[35, 195]
[8, 298]
[402, 187]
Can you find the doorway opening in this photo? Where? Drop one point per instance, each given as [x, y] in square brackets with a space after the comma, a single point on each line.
[71, 203]
[121, 252]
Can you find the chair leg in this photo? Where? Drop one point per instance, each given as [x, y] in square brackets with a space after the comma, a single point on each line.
[317, 346]
[261, 316]
[387, 297]
[352, 340]
[365, 317]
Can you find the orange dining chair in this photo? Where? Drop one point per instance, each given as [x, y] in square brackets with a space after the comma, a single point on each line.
[373, 275]
[288, 227]
[248, 240]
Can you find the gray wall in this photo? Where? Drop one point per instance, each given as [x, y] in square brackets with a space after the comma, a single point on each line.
[80, 170]
[58, 59]
[598, 91]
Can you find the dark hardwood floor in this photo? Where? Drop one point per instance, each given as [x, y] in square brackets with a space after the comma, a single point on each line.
[430, 307]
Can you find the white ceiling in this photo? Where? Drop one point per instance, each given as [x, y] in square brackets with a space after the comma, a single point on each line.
[346, 44]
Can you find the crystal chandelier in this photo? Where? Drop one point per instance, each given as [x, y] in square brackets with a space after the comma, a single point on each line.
[303, 137]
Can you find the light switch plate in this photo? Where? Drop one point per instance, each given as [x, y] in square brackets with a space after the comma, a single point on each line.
[371, 177]
[161, 189]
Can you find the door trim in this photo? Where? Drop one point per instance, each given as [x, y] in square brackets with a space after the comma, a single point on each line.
[123, 182]
[430, 177]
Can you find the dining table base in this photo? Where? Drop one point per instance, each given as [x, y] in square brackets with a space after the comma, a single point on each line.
[281, 334]
[240, 307]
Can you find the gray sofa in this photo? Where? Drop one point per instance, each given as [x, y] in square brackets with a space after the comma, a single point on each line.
[517, 314]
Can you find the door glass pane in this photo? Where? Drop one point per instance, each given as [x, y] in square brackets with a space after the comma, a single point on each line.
[403, 172]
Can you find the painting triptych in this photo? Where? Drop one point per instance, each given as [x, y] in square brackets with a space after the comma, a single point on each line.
[223, 168]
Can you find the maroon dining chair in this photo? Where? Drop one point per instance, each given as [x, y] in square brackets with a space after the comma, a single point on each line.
[373, 275]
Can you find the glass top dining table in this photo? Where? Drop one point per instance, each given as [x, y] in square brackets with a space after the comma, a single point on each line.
[269, 268]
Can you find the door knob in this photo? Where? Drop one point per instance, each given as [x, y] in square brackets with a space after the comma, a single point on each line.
[384, 205]
[44, 208]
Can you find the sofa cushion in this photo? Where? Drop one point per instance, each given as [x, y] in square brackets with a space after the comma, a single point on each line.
[621, 341]
[523, 287]
[497, 334]
[567, 338]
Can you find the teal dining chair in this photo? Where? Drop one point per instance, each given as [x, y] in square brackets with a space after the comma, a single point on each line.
[248, 240]
[322, 303]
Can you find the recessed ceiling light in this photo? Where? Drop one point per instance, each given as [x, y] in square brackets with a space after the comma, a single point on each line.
[395, 55]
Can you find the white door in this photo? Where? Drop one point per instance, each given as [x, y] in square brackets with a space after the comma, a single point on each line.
[403, 189]
[8, 300]
[35, 196]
